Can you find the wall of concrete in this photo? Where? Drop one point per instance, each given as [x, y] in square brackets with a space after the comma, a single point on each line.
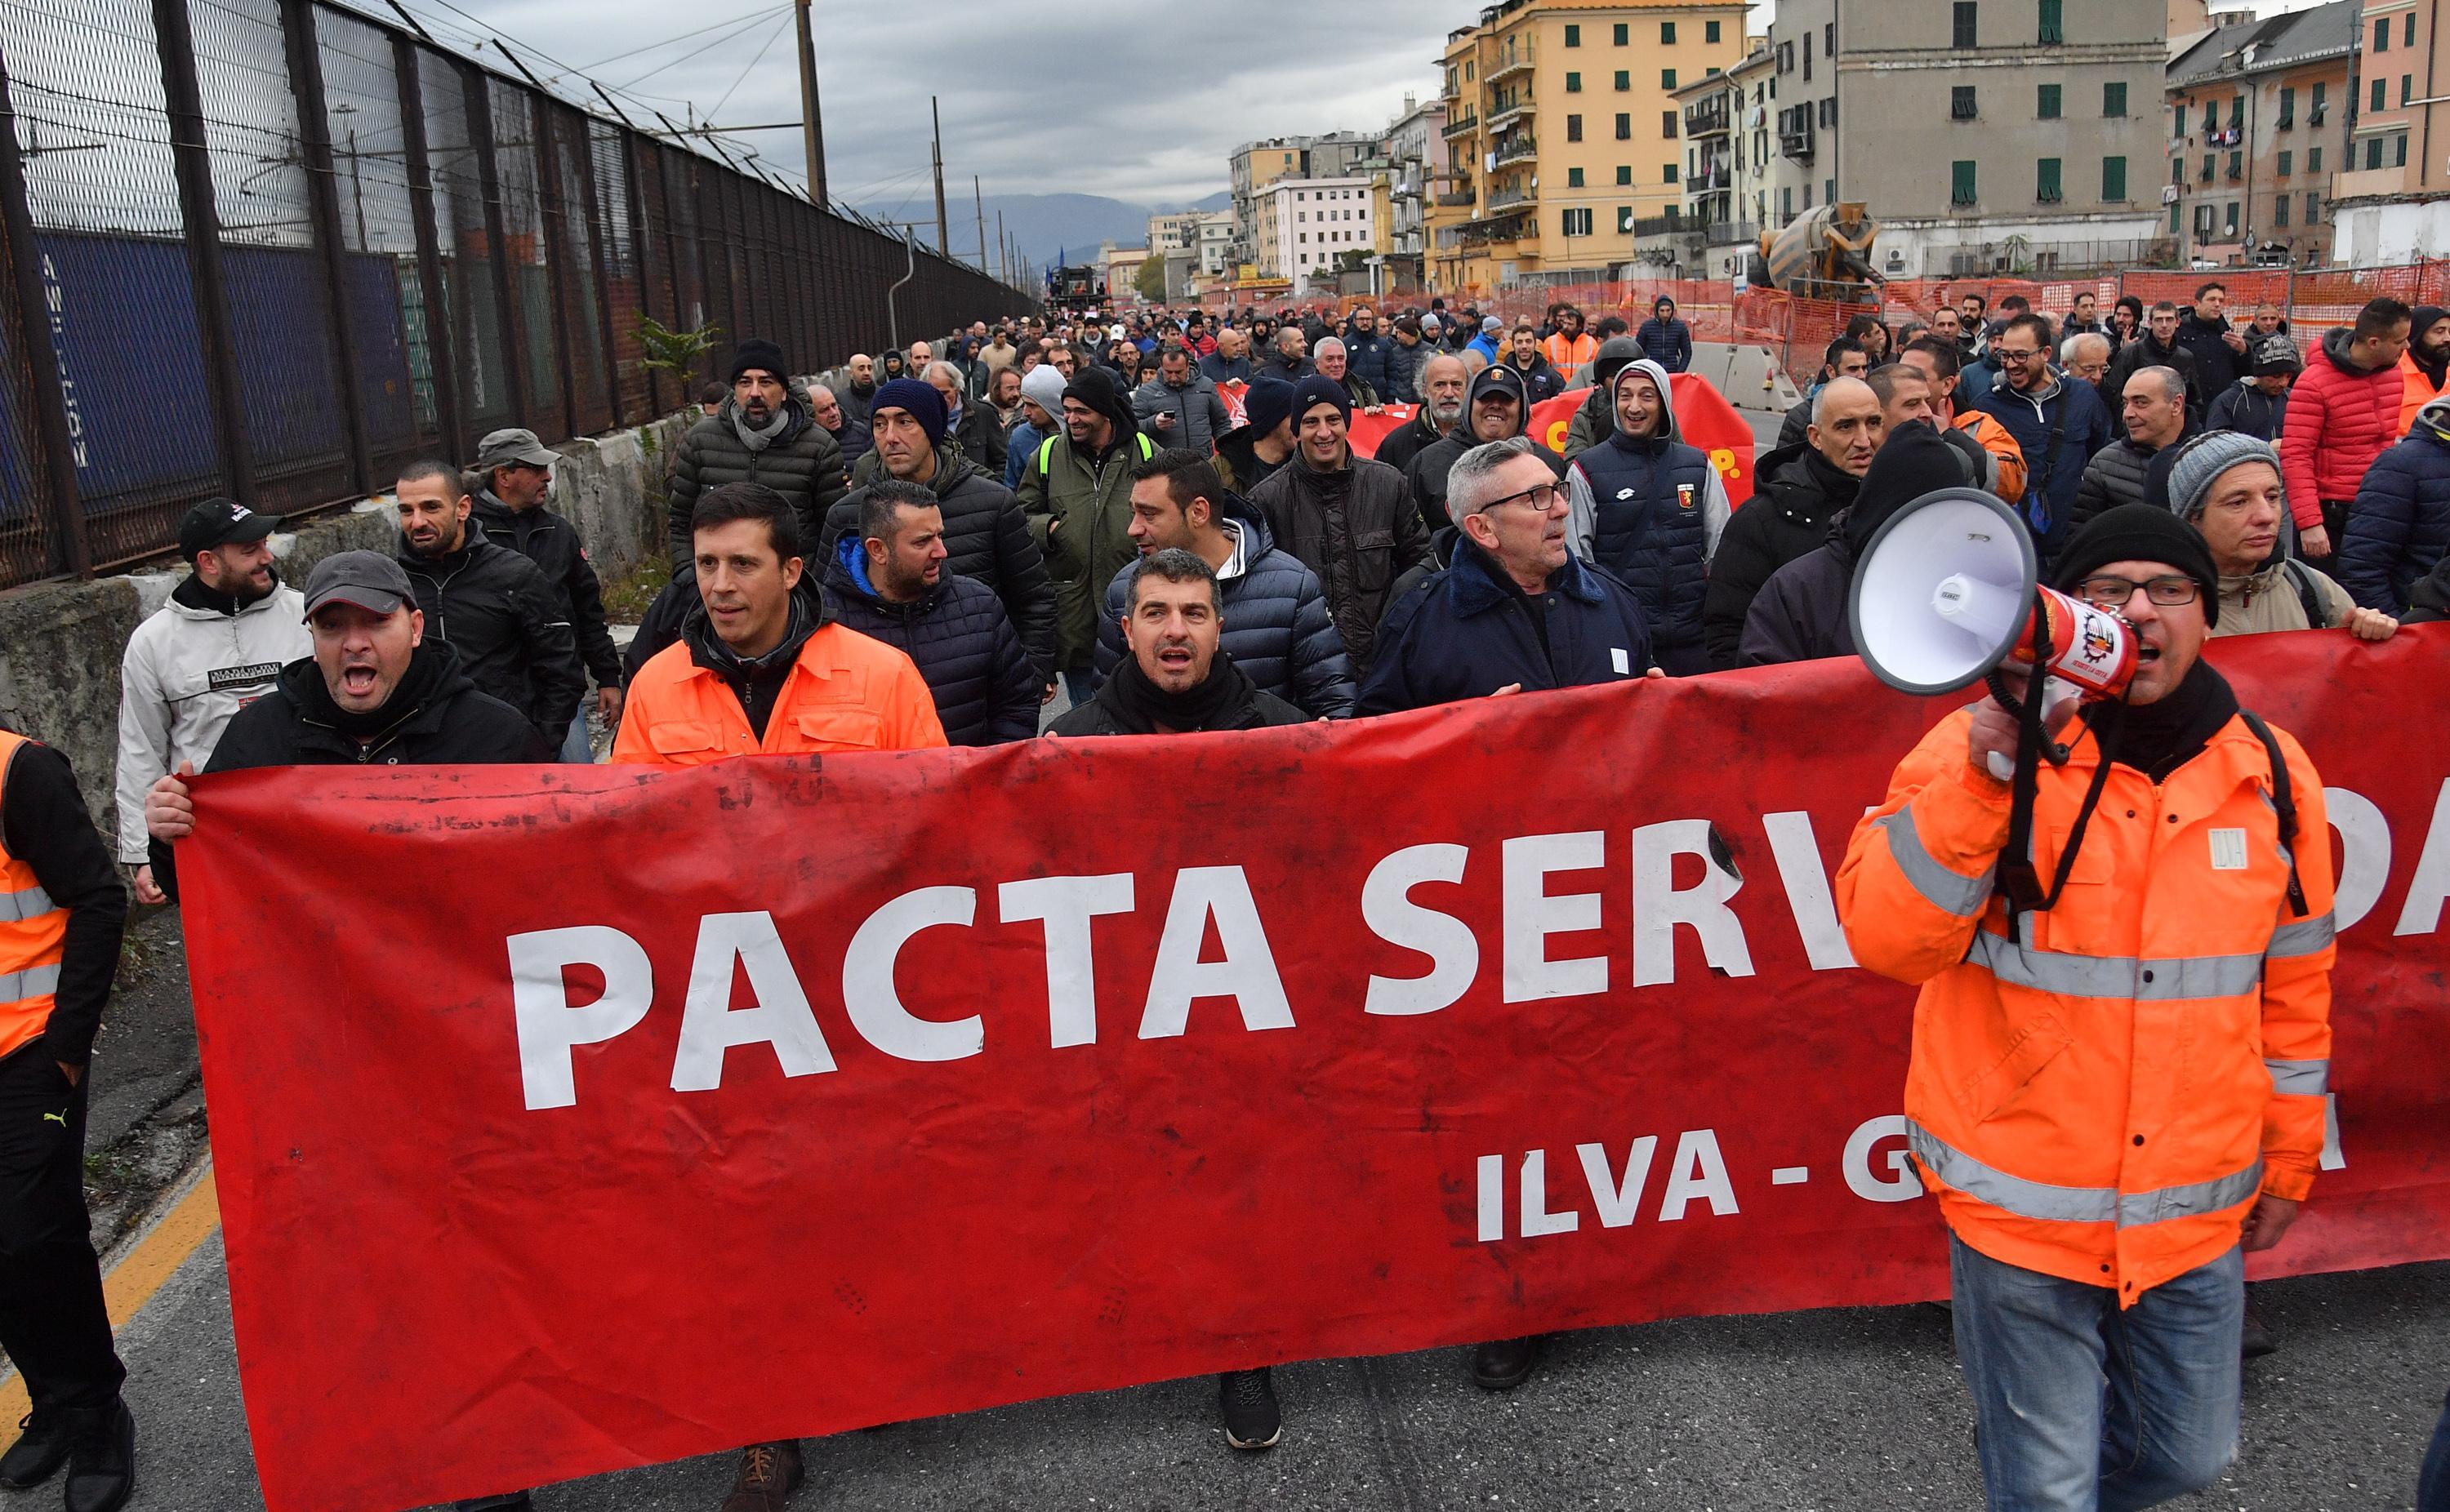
[61, 643]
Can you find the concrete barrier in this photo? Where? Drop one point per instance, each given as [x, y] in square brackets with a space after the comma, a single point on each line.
[61, 643]
[1748, 374]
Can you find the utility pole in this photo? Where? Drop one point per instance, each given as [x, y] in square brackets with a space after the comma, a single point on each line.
[943, 246]
[978, 200]
[812, 124]
[1003, 251]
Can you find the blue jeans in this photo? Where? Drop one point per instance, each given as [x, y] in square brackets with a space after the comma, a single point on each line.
[2433, 1481]
[2082, 1407]
[574, 747]
[1080, 685]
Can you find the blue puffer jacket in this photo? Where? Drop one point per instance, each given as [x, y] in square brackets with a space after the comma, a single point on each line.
[2074, 413]
[1277, 627]
[1367, 358]
[1667, 343]
[1649, 510]
[961, 640]
[2400, 525]
[1469, 629]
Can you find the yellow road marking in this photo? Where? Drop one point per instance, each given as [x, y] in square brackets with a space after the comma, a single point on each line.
[140, 1271]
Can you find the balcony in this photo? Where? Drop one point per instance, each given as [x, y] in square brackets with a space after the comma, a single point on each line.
[1462, 126]
[1502, 116]
[1513, 150]
[2365, 181]
[1709, 118]
[1511, 62]
[1796, 145]
[1521, 192]
[1457, 199]
[1726, 233]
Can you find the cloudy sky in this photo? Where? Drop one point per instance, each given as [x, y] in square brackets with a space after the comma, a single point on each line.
[1141, 100]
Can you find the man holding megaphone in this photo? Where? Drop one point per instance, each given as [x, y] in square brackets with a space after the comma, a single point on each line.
[2124, 946]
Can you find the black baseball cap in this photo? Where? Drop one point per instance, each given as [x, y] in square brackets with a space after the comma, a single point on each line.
[218, 522]
[371, 580]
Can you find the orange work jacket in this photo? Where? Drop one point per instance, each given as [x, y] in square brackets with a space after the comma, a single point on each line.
[844, 693]
[1570, 354]
[2103, 1098]
[34, 933]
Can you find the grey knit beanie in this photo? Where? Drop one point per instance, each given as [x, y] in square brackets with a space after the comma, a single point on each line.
[2201, 462]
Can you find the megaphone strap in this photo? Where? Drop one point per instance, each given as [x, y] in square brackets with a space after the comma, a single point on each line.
[2284, 805]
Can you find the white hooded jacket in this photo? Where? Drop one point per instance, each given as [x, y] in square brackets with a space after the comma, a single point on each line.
[188, 670]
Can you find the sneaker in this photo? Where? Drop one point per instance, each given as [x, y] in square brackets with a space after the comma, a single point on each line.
[41, 1448]
[1247, 1398]
[1504, 1365]
[2255, 1341]
[102, 1460]
[768, 1473]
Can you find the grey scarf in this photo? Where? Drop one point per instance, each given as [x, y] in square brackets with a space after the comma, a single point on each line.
[756, 438]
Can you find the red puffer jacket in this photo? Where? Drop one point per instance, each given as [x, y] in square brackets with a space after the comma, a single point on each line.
[2340, 418]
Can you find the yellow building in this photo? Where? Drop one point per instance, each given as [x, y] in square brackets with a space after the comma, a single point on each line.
[1561, 133]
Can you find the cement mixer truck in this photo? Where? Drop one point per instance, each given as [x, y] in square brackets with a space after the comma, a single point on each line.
[1825, 255]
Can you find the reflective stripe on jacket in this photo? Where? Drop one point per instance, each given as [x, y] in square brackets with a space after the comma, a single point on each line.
[844, 693]
[2102, 1100]
[33, 935]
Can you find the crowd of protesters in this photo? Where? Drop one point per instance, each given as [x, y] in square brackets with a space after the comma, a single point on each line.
[1163, 515]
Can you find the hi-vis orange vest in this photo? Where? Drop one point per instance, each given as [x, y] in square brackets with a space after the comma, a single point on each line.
[845, 692]
[1568, 353]
[2102, 1096]
[32, 929]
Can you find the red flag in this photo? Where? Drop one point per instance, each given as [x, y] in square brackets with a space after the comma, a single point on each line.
[1703, 417]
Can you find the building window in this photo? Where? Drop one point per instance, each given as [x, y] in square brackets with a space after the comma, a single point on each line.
[2208, 169]
[2313, 160]
[1623, 175]
[1710, 30]
[2381, 35]
[2373, 152]
[2113, 180]
[2280, 212]
[1667, 124]
[1829, 39]
[1807, 57]
[2053, 27]
[1573, 35]
[1623, 80]
[2173, 220]
[2228, 226]
[1667, 173]
[1624, 127]
[2178, 170]
[1575, 223]
[1807, 197]
[2381, 92]
[2045, 102]
[2405, 93]
[1961, 26]
[2288, 108]
[2398, 151]
[2046, 180]
[2236, 166]
[1829, 190]
[1301, 216]
[2316, 119]
[1573, 128]
[1829, 111]
[2205, 223]
[1668, 78]
[1573, 84]
[1960, 182]
[1961, 102]
[1624, 34]
[2114, 102]
[1625, 219]
[2313, 207]
[2407, 38]
[2182, 120]
[1667, 33]
[1786, 205]
[2287, 161]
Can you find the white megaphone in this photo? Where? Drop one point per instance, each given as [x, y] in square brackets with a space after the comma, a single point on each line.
[1949, 592]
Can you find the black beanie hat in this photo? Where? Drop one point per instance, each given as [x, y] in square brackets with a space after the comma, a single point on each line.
[1316, 389]
[1915, 460]
[2139, 532]
[754, 353]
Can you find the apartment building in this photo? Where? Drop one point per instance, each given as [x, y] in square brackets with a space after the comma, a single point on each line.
[1726, 152]
[1415, 146]
[1257, 164]
[2390, 196]
[1307, 227]
[1985, 135]
[2257, 123]
[1562, 132]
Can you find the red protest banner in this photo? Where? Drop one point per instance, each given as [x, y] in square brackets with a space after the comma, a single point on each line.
[623, 1116]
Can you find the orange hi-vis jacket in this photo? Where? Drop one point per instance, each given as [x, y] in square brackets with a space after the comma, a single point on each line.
[1569, 355]
[844, 693]
[2002, 446]
[33, 935]
[2103, 1099]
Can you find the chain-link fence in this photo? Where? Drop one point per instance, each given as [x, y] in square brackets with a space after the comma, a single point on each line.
[271, 248]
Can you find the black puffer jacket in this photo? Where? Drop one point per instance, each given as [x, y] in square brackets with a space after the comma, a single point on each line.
[436, 718]
[803, 464]
[552, 542]
[1356, 529]
[514, 638]
[987, 539]
[1425, 480]
[1789, 515]
[1277, 625]
[2115, 475]
[986, 690]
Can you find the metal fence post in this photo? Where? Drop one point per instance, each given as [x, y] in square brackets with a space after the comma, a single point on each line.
[191, 159]
[435, 298]
[324, 205]
[70, 549]
[478, 94]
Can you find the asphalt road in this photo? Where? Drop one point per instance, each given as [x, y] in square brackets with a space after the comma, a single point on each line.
[1848, 1408]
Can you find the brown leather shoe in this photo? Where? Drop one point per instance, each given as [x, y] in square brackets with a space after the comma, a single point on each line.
[768, 1473]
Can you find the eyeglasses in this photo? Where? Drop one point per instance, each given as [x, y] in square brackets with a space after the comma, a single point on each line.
[2113, 592]
[1543, 497]
[2006, 355]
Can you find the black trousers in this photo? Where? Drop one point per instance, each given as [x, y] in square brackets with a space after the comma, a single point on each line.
[52, 1321]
